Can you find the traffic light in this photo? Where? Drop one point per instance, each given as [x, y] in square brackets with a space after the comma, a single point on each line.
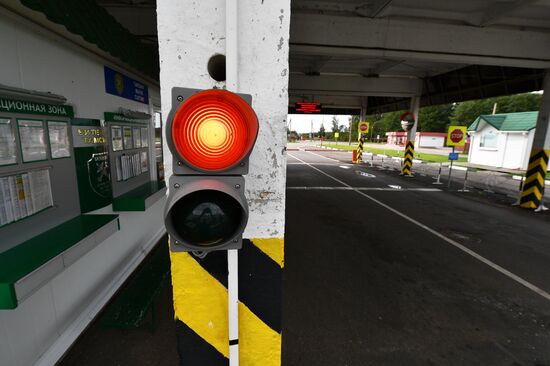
[210, 134]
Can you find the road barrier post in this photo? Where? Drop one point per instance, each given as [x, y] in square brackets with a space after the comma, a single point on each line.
[518, 201]
[359, 156]
[438, 181]
[542, 207]
[382, 162]
[464, 189]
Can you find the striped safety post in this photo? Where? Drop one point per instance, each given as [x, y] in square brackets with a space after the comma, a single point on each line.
[533, 187]
[201, 305]
[406, 168]
[359, 155]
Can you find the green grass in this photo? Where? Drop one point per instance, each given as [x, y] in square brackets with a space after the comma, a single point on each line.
[435, 158]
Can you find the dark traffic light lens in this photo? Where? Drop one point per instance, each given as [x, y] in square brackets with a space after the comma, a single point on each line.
[206, 218]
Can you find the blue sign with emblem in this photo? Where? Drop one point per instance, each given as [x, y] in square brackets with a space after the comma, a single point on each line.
[123, 86]
[453, 156]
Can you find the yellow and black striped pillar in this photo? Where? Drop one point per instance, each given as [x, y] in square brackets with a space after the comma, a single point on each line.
[406, 169]
[359, 156]
[201, 309]
[533, 188]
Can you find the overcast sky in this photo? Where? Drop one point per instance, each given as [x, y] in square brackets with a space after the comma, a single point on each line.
[301, 123]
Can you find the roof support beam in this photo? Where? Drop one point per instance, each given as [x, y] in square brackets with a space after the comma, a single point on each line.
[413, 40]
[374, 8]
[498, 10]
[354, 86]
[384, 66]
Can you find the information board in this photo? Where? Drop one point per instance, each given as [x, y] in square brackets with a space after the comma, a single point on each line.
[8, 155]
[33, 141]
[24, 194]
[92, 164]
[124, 86]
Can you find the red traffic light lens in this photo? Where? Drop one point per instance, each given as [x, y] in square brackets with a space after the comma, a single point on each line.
[214, 130]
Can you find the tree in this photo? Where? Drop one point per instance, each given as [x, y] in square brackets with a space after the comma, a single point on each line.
[334, 124]
[390, 121]
[354, 120]
[322, 130]
[435, 118]
[466, 112]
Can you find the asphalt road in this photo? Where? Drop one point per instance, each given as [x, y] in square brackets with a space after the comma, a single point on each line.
[386, 270]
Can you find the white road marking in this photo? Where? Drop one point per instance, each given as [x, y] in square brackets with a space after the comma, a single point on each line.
[363, 174]
[324, 157]
[386, 189]
[344, 166]
[457, 245]
[329, 164]
[394, 186]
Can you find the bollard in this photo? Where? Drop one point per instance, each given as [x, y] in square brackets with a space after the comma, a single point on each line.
[438, 181]
[542, 207]
[382, 163]
[464, 189]
[521, 179]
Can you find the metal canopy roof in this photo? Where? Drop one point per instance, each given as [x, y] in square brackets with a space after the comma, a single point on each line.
[380, 52]
[349, 53]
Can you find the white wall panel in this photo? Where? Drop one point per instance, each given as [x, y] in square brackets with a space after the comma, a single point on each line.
[45, 324]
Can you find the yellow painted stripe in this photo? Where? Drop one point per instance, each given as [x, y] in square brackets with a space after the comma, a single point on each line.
[537, 177]
[273, 247]
[530, 204]
[536, 163]
[200, 301]
[259, 345]
[534, 190]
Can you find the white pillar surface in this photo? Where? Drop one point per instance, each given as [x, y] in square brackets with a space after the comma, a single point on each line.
[190, 32]
[415, 109]
[542, 132]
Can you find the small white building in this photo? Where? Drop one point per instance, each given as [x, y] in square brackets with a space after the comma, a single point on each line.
[502, 140]
[430, 139]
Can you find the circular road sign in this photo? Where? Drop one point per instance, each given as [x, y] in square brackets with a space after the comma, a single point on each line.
[456, 136]
[363, 127]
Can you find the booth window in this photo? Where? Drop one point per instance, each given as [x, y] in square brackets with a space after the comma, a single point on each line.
[8, 153]
[488, 140]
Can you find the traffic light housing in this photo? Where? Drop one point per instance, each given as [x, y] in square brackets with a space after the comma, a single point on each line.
[210, 134]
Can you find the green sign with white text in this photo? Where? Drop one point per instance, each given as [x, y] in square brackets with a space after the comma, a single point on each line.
[27, 107]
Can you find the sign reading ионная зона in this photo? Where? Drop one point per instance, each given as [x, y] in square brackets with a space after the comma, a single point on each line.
[27, 107]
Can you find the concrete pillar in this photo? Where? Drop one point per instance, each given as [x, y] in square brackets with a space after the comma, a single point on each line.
[406, 168]
[361, 136]
[533, 187]
[190, 32]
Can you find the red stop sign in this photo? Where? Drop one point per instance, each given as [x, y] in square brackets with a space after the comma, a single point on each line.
[457, 136]
[363, 128]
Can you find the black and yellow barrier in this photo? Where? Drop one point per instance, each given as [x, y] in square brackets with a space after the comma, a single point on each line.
[533, 188]
[359, 154]
[201, 309]
[408, 159]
